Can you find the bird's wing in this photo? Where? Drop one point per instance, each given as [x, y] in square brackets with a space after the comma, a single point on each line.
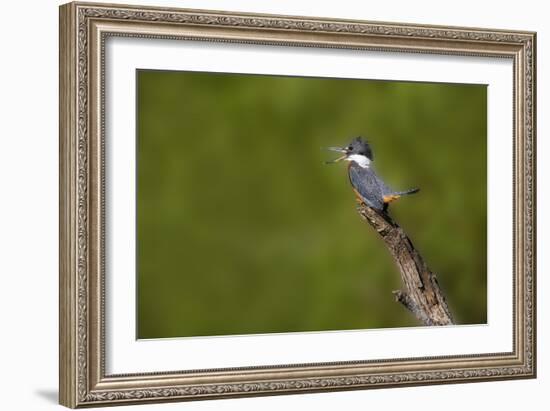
[367, 185]
[383, 186]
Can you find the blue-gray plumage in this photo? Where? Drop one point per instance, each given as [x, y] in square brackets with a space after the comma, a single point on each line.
[368, 187]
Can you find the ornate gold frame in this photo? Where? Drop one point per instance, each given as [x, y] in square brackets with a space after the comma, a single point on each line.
[83, 30]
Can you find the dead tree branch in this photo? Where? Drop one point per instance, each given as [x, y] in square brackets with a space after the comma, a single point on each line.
[422, 295]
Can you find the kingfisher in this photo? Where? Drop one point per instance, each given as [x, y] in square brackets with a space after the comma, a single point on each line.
[368, 187]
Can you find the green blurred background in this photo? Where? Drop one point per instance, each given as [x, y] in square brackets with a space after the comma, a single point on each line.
[242, 229]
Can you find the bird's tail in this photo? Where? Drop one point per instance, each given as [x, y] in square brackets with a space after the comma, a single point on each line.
[407, 192]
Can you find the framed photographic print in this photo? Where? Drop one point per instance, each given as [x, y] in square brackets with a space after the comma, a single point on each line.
[259, 204]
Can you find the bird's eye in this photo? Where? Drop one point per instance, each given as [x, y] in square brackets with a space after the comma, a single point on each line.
[350, 148]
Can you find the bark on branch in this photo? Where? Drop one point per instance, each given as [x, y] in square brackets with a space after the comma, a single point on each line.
[422, 294]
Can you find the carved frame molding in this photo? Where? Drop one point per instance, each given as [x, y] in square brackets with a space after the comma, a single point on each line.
[83, 30]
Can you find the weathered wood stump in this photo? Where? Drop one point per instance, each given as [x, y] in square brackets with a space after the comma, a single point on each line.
[422, 294]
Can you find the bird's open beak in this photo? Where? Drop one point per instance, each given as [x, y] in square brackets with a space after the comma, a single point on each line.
[338, 150]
